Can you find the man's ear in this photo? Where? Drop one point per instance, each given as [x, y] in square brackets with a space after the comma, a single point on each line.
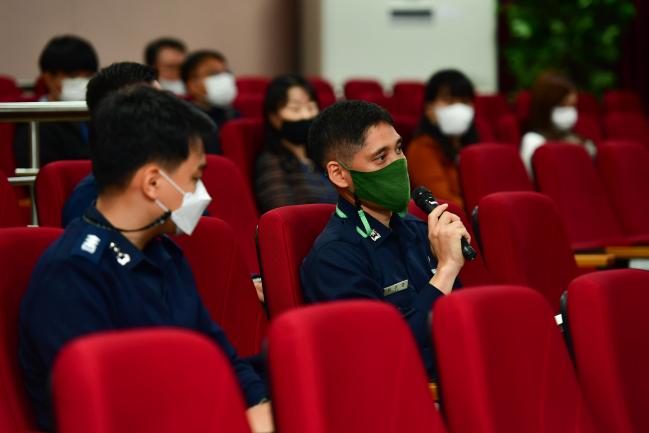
[148, 179]
[195, 87]
[429, 111]
[53, 85]
[338, 175]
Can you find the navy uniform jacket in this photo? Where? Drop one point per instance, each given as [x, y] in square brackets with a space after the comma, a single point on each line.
[81, 285]
[393, 264]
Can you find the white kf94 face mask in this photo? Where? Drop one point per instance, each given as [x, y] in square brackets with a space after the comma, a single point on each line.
[74, 89]
[187, 216]
[564, 118]
[177, 87]
[221, 89]
[454, 119]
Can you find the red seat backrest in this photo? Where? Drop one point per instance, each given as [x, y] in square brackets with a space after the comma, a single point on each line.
[249, 105]
[627, 126]
[473, 273]
[522, 104]
[324, 90]
[286, 235]
[624, 168]
[568, 175]
[408, 98]
[157, 380]
[20, 249]
[54, 184]
[588, 104]
[9, 211]
[491, 107]
[232, 201]
[348, 367]
[8, 88]
[485, 130]
[507, 130]
[524, 242]
[608, 323]
[504, 366]
[622, 100]
[247, 85]
[357, 88]
[588, 127]
[224, 283]
[241, 141]
[491, 167]
[7, 161]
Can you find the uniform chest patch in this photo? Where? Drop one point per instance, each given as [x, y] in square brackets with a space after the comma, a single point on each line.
[395, 288]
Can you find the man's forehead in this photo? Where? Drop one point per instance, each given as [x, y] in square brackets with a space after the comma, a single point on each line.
[380, 135]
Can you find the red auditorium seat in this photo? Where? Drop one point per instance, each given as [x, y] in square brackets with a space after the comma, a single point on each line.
[622, 100]
[9, 90]
[408, 98]
[9, 211]
[485, 131]
[588, 104]
[491, 107]
[241, 141]
[507, 130]
[7, 161]
[627, 126]
[406, 126]
[624, 168]
[567, 174]
[146, 381]
[524, 242]
[324, 90]
[54, 184]
[348, 367]
[504, 366]
[522, 103]
[247, 85]
[20, 248]
[285, 237]
[249, 105]
[233, 202]
[609, 325]
[360, 88]
[224, 283]
[491, 167]
[588, 127]
[473, 273]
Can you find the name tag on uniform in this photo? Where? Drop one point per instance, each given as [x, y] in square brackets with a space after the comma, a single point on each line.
[395, 288]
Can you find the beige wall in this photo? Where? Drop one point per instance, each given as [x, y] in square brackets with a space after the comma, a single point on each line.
[257, 36]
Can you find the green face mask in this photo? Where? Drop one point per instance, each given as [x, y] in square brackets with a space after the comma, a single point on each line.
[388, 187]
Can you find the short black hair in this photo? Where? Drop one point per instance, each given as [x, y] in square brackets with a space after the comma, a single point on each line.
[153, 48]
[193, 61]
[115, 77]
[139, 125]
[340, 130]
[455, 81]
[68, 54]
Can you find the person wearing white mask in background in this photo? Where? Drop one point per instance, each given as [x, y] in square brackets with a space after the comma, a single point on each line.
[66, 63]
[446, 126]
[211, 86]
[552, 116]
[167, 56]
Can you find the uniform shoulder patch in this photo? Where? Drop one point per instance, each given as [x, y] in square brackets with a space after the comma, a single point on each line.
[90, 246]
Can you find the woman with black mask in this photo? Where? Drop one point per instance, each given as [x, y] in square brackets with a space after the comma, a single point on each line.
[447, 125]
[284, 173]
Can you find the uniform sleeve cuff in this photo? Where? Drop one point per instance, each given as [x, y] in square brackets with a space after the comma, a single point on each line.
[426, 298]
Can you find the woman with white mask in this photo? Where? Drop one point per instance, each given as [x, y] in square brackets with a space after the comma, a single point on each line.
[552, 116]
[211, 87]
[447, 125]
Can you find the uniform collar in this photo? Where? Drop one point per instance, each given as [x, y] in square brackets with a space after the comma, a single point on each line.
[346, 210]
[155, 252]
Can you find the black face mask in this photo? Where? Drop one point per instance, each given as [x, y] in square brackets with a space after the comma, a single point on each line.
[296, 132]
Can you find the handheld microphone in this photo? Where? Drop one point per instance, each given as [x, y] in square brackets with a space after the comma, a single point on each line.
[426, 202]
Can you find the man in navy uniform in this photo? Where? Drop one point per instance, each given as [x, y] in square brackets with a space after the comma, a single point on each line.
[114, 268]
[371, 249]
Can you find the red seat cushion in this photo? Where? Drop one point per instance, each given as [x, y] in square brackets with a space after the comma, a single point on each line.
[54, 184]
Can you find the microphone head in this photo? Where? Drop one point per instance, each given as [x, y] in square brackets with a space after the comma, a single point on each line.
[422, 194]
